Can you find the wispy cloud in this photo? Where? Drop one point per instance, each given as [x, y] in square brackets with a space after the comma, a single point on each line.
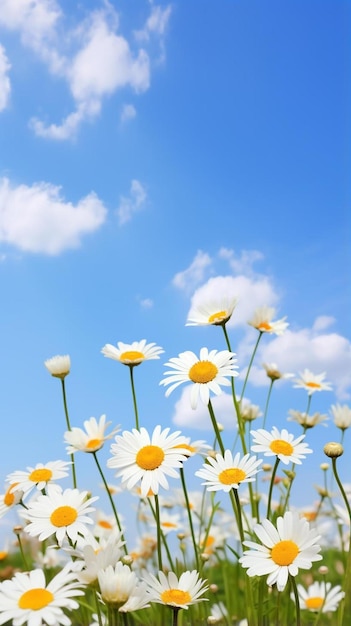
[199, 418]
[133, 203]
[189, 278]
[128, 112]
[38, 219]
[5, 85]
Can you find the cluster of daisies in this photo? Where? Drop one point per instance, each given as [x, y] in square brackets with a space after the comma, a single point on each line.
[97, 572]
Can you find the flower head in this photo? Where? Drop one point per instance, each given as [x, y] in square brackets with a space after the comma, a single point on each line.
[140, 457]
[59, 513]
[312, 382]
[306, 420]
[174, 592]
[39, 476]
[262, 320]
[28, 599]
[212, 312]
[341, 415]
[280, 444]
[226, 473]
[58, 366]
[9, 499]
[207, 373]
[319, 596]
[274, 373]
[118, 585]
[132, 353]
[283, 549]
[90, 440]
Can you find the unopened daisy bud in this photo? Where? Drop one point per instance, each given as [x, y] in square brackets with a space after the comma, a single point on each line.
[127, 559]
[220, 427]
[333, 449]
[17, 529]
[290, 474]
[181, 536]
[322, 492]
[213, 588]
[323, 570]
[58, 366]
[212, 619]
[266, 467]
[205, 557]
[324, 466]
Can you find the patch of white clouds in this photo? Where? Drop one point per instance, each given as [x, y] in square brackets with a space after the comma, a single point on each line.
[128, 205]
[189, 278]
[94, 58]
[38, 219]
[128, 112]
[156, 26]
[199, 418]
[146, 303]
[5, 84]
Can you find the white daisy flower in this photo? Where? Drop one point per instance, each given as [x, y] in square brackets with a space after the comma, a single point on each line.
[262, 320]
[219, 613]
[140, 457]
[118, 585]
[249, 412]
[132, 353]
[92, 555]
[281, 444]
[39, 476]
[312, 382]
[207, 373]
[59, 513]
[104, 524]
[28, 599]
[341, 415]
[226, 473]
[274, 373]
[58, 366]
[283, 549]
[212, 312]
[195, 447]
[9, 499]
[174, 592]
[90, 440]
[306, 420]
[319, 596]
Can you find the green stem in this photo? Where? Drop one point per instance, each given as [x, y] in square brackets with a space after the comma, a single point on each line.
[215, 427]
[131, 370]
[347, 576]
[196, 550]
[309, 400]
[250, 365]
[175, 611]
[22, 551]
[267, 403]
[297, 601]
[74, 478]
[271, 487]
[111, 499]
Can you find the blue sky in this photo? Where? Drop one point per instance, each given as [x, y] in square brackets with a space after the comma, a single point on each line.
[152, 150]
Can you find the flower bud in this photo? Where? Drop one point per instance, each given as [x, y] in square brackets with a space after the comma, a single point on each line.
[333, 450]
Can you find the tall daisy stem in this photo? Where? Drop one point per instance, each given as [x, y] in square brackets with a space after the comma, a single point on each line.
[191, 526]
[267, 403]
[271, 487]
[131, 370]
[111, 499]
[347, 576]
[250, 364]
[215, 427]
[297, 601]
[74, 477]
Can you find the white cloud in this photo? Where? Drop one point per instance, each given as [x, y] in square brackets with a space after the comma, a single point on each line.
[194, 274]
[133, 203]
[242, 263]
[5, 85]
[37, 219]
[308, 348]
[156, 26]
[128, 112]
[146, 303]
[199, 418]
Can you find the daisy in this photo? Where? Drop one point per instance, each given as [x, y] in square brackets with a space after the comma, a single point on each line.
[195, 447]
[59, 513]
[118, 584]
[283, 549]
[312, 382]
[226, 473]
[90, 440]
[9, 499]
[140, 457]
[306, 420]
[28, 599]
[213, 312]
[274, 373]
[132, 353]
[341, 415]
[262, 321]
[319, 596]
[92, 555]
[219, 613]
[39, 476]
[179, 593]
[207, 373]
[249, 412]
[281, 444]
[58, 366]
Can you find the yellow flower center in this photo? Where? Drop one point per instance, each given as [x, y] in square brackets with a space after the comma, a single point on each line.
[9, 497]
[314, 603]
[284, 552]
[313, 385]
[186, 447]
[218, 318]
[40, 475]
[132, 355]
[105, 524]
[150, 457]
[264, 326]
[279, 446]
[94, 444]
[232, 475]
[175, 596]
[3, 555]
[35, 599]
[168, 525]
[63, 516]
[203, 372]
